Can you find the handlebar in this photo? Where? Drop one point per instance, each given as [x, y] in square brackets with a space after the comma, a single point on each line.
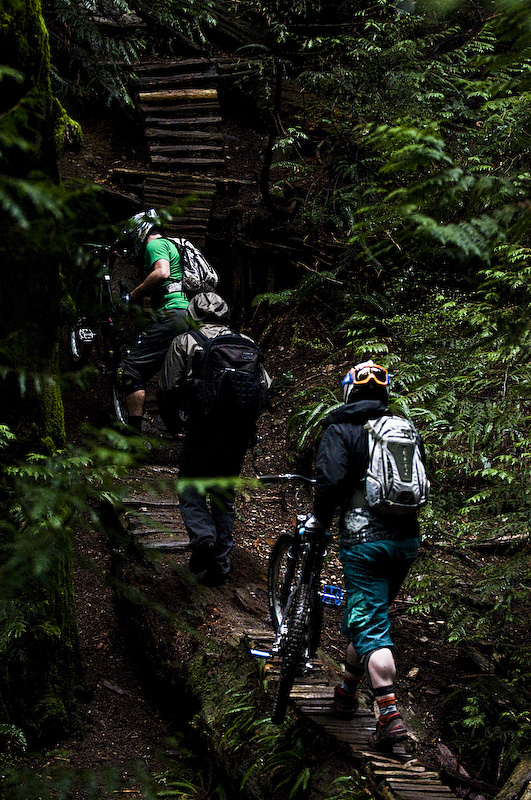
[286, 477]
[97, 248]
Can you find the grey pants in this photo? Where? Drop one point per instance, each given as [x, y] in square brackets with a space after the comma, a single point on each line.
[210, 518]
[212, 449]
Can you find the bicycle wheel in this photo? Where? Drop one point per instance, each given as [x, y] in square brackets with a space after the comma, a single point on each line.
[119, 408]
[293, 651]
[281, 574]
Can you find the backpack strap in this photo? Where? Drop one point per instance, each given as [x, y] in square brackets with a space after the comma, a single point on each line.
[174, 286]
[199, 337]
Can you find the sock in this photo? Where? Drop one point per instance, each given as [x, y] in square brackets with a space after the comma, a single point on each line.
[136, 423]
[385, 697]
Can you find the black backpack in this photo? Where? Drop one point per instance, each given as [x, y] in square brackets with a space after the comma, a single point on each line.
[226, 381]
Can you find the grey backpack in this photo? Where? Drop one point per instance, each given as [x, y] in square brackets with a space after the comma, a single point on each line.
[198, 273]
[396, 481]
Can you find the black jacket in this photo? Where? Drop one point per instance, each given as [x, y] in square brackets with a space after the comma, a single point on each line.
[341, 463]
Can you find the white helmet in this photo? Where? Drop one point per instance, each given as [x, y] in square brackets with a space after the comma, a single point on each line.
[138, 228]
[366, 380]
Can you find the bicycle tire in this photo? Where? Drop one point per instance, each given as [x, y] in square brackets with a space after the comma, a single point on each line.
[294, 644]
[119, 407]
[281, 573]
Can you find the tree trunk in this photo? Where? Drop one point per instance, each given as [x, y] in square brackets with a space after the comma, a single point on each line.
[38, 667]
[518, 787]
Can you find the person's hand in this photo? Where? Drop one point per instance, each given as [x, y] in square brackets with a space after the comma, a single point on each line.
[125, 297]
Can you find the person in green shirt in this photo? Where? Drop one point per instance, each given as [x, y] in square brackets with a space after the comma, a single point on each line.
[163, 285]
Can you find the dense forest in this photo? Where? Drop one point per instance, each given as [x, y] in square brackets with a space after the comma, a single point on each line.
[396, 173]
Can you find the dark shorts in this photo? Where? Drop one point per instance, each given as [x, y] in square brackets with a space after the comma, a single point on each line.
[374, 572]
[147, 355]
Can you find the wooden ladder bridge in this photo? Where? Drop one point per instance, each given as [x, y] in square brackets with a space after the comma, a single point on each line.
[178, 104]
[156, 524]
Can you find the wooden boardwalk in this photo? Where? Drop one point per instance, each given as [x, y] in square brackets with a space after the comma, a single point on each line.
[156, 524]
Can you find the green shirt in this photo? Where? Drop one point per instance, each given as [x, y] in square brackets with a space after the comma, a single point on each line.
[166, 298]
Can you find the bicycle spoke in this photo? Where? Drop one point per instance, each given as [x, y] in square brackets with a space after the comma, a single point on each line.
[283, 572]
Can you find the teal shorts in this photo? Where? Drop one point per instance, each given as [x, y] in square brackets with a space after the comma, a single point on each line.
[374, 572]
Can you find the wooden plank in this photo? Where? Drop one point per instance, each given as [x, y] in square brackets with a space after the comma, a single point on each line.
[404, 769]
[307, 691]
[185, 107]
[163, 545]
[165, 133]
[192, 161]
[157, 531]
[208, 119]
[178, 198]
[425, 790]
[136, 502]
[184, 148]
[196, 213]
[173, 78]
[172, 63]
[414, 784]
[174, 94]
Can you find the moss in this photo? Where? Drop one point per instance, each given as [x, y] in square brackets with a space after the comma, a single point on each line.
[52, 719]
[54, 418]
[68, 134]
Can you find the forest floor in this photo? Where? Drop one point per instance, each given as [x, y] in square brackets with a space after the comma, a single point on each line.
[120, 723]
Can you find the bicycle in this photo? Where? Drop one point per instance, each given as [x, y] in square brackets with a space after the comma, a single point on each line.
[295, 597]
[102, 328]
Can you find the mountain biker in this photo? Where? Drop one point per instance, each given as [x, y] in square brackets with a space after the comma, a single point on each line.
[376, 553]
[161, 261]
[213, 446]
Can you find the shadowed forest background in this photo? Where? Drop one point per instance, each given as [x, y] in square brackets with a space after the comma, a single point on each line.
[387, 155]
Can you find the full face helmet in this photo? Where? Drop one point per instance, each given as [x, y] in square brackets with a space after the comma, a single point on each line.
[138, 229]
[366, 380]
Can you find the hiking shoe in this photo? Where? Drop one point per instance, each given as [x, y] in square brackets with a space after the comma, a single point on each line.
[213, 579]
[201, 558]
[345, 705]
[385, 736]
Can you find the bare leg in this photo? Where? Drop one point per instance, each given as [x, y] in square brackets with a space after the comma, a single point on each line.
[135, 403]
[345, 695]
[135, 408]
[381, 669]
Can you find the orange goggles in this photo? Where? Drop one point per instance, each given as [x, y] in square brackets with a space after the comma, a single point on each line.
[371, 372]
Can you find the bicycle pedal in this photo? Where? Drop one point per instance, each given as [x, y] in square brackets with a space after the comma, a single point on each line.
[332, 595]
[86, 335]
[260, 653]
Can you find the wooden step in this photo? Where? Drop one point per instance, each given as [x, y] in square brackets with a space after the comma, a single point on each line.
[161, 177]
[177, 94]
[208, 119]
[183, 136]
[162, 81]
[173, 65]
[193, 162]
[164, 110]
[191, 147]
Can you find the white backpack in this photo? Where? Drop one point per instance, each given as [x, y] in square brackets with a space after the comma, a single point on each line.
[198, 273]
[396, 481]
